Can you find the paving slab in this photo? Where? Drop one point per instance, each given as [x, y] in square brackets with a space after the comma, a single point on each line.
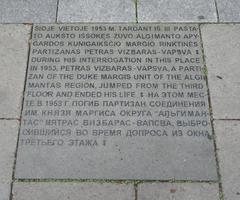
[28, 11]
[229, 10]
[228, 140]
[73, 191]
[4, 191]
[221, 46]
[178, 191]
[8, 142]
[124, 128]
[96, 11]
[13, 64]
[176, 11]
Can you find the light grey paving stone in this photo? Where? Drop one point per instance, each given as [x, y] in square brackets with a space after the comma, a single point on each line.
[157, 146]
[26, 11]
[8, 141]
[4, 191]
[13, 63]
[96, 11]
[176, 11]
[228, 140]
[229, 10]
[178, 191]
[72, 191]
[222, 50]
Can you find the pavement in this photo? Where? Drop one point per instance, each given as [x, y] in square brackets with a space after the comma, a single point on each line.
[219, 22]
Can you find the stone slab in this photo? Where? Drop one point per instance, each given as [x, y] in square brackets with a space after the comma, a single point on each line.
[28, 11]
[178, 191]
[72, 191]
[221, 46]
[4, 191]
[131, 108]
[228, 140]
[13, 64]
[177, 11]
[8, 142]
[229, 10]
[96, 11]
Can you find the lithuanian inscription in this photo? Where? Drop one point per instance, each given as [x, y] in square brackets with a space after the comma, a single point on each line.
[116, 102]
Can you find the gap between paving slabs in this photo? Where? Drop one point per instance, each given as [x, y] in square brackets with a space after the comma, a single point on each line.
[217, 12]
[21, 110]
[211, 118]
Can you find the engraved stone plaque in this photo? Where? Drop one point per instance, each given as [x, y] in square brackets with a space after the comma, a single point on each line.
[116, 101]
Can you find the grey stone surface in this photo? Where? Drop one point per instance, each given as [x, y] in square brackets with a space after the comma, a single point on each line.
[178, 191]
[96, 11]
[72, 191]
[229, 10]
[176, 11]
[13, 63]
[4, 191]
[228, 140]
[221, 46]
[28, 11]
[8, 142]
[145, 130]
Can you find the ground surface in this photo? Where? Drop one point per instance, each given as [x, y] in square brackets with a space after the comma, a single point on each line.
[220, 31]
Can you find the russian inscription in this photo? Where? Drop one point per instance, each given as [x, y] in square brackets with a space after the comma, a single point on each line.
[116, 102]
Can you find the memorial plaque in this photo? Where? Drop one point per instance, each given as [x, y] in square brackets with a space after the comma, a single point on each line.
[116, 101]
